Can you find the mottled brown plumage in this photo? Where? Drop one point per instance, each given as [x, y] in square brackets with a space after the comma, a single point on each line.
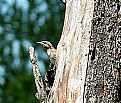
[50, 74]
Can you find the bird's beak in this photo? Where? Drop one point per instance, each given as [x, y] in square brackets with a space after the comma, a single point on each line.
[40, 43]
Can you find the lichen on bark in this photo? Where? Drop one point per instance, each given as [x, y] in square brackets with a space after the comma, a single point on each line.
[102, 83]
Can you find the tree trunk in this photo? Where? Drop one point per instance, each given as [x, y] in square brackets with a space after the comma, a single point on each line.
[87, 66]
[88, 59]
[102, 79]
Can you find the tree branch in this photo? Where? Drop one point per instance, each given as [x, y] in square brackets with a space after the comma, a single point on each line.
[41, 93]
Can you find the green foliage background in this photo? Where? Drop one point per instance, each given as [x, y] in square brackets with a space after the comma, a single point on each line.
[22, 23]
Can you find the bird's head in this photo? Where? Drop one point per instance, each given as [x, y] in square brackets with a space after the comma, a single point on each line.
[45, 44]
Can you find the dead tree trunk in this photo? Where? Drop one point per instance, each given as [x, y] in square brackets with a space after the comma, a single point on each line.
[92, 48]
[88, 59]
[72, 52]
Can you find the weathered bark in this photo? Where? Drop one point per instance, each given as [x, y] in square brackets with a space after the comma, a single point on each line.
[102, 83]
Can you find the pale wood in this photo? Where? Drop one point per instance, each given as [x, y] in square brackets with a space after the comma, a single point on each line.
[72, 52]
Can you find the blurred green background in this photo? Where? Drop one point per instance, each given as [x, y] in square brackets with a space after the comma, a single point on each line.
[22, 23]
